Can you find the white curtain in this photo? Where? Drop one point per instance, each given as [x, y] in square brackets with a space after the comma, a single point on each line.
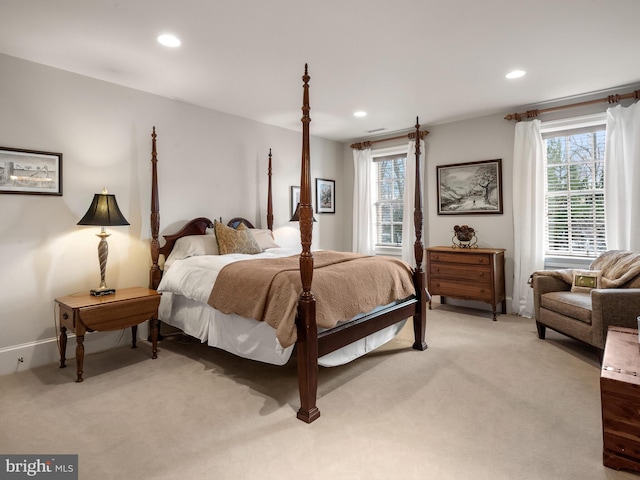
[408, 225]
[363, 224]
[528, 213]
[622, 178]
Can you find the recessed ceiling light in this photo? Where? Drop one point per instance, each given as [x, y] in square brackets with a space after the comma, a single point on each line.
[169, 40]
[360, 114]
[516, 74]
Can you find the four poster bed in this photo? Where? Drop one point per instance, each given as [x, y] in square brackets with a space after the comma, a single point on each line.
[267, 292]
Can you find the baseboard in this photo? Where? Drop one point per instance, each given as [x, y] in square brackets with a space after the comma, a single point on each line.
[18, 358]
[474, 304]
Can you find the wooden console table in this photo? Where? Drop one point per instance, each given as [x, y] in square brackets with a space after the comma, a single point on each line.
[83, 313]
[467, 274]
[620, 396]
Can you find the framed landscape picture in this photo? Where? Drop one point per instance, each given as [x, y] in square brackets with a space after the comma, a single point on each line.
[30, 172]
[470, 188]
[325, 196]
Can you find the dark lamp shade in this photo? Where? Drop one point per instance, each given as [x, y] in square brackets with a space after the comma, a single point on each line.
[296, 215]
[103, 212]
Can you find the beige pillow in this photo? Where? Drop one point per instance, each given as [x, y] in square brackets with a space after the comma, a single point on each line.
[586, 280]
[264, 238]
[190, 246]
[239, 240]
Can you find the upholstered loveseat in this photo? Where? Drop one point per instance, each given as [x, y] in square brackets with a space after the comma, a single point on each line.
[584, 303]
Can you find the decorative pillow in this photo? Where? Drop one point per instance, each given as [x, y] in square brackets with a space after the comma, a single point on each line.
[191, 246]
[585, 280]
[239, 240]
[264, 238]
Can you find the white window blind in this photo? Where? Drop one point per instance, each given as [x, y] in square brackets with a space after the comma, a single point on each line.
[574, 191]
[389, 174]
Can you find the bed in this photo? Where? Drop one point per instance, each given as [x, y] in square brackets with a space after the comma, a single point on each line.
[295, 319]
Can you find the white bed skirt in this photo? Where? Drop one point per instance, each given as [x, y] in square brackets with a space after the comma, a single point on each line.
[250, 338]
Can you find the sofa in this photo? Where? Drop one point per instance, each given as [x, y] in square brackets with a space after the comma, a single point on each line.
[582, 304]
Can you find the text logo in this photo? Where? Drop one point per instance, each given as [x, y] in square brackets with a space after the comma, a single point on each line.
[49, 467]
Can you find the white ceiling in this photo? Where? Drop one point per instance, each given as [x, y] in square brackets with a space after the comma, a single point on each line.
[441, 60]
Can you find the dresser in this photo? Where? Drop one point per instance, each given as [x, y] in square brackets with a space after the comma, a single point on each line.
[620, 399]
[467, 274]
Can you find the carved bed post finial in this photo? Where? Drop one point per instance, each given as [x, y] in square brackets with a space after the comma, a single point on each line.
[306, 210]
[417, 205]
[419, 277]
[269, 201]
[155, 273]
[307, 344]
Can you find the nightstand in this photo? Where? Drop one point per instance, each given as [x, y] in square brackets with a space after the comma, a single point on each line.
[467, 274]
[128, 307]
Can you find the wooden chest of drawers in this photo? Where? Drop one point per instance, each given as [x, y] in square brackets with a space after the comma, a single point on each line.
[620, 396]
[467, 274]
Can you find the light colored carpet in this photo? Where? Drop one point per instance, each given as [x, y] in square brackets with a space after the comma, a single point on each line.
[486, 400]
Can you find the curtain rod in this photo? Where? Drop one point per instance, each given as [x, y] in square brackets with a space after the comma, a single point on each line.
[611, 99]
[368, 143]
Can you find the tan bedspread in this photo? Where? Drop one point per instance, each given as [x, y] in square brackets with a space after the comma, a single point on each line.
[344, 285]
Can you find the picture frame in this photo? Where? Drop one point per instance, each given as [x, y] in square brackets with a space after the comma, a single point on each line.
[325, 196]
[472, 188]
[30, 172]
[295, 199]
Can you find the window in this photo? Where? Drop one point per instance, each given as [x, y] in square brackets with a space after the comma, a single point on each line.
[574, 190]
[388, 197]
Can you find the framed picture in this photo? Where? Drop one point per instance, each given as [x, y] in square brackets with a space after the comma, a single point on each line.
[295, 199]
[325, 196]
[30, 172]
[470, 188]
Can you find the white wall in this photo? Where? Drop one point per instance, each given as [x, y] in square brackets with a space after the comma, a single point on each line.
[482, 138]
[210, 164]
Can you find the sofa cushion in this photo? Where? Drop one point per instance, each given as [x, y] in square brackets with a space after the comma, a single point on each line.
[571, 304]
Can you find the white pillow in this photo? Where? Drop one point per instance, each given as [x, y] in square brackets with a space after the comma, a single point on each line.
[264, 238]
[191, 246]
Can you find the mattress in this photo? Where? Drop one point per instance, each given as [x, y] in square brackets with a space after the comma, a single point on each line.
[184, 305]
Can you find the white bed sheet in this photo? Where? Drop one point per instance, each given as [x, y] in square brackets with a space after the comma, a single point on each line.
[186, 287]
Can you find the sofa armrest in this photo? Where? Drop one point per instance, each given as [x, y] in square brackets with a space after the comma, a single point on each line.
[542, 284]
[614, 306]
[546, 283]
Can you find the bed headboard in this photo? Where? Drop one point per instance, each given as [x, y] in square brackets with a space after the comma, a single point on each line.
[234, 222]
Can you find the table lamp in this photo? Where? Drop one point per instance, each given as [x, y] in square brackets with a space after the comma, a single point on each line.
[103, 212]
[296, 215]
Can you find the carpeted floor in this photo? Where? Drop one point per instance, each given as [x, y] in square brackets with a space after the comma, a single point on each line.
[486, 400]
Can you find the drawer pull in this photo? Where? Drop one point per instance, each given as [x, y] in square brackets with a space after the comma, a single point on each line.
[65, 315]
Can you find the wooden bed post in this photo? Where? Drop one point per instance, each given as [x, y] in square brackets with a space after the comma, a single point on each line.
[155, 273]
[307, 344]
[269, 201]
[419, 278]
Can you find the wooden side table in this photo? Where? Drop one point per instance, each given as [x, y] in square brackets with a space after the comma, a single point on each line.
[620, 399]
[83, 313]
